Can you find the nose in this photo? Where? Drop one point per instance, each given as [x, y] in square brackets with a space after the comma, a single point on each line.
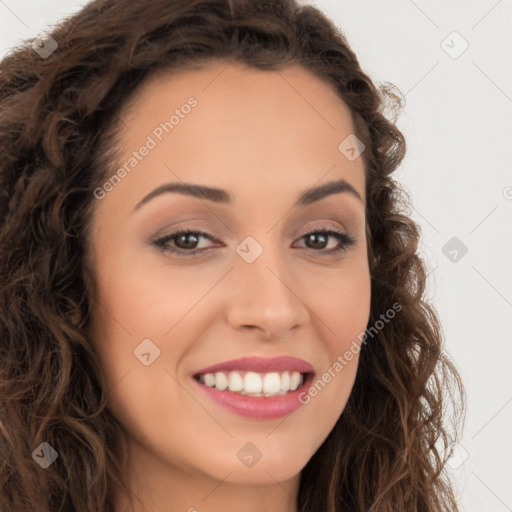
[265, 299]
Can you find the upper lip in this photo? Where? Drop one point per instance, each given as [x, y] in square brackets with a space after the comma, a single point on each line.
[261, 365]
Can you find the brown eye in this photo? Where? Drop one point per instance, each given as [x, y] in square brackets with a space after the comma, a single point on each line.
[187, 239]
[184, 242]
[318, 240]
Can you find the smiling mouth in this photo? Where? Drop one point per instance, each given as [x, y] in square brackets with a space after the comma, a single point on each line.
[255, 384]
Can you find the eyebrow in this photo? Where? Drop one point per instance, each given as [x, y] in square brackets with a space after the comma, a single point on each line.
[221, 196]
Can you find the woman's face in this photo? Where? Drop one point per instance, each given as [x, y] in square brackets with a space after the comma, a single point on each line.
[258, 287]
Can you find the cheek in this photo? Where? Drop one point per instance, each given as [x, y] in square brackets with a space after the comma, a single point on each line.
[133, 307]
[144, 300]
[136, 301]
[341, 300]
[342, 311]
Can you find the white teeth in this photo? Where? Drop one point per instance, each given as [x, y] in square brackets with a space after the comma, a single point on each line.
[221, 381]
[252, 383]
[209, 379]
[236, 382]
[294, 380]
[285, 381]
[272, 383]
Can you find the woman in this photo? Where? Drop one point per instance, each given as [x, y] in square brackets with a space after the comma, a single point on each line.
[286, 358]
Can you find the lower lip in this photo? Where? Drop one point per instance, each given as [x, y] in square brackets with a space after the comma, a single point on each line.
[258, 407]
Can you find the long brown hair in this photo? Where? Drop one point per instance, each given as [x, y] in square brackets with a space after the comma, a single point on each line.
[58, 120]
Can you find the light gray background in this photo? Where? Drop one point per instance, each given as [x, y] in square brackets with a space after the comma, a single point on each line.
[458, 125]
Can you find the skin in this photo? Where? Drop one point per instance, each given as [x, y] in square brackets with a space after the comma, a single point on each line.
[265, 137]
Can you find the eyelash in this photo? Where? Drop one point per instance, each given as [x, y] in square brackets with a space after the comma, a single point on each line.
[345, 240]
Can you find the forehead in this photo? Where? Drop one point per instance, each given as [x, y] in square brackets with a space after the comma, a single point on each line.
[249, 128]
[230, 81]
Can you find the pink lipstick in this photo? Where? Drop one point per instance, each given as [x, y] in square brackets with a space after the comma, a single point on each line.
[257, 387]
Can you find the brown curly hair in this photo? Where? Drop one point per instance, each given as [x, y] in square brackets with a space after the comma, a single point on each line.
[58, 126]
